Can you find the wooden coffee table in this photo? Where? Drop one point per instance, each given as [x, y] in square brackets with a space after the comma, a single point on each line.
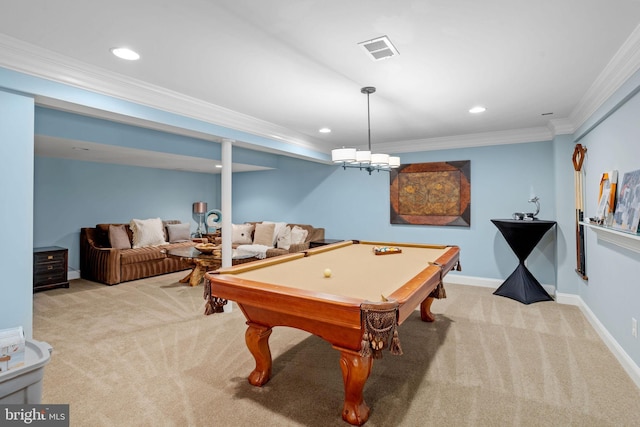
[201, 263]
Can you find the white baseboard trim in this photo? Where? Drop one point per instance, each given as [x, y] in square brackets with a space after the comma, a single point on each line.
[623, 358]
[632, 369]
[73, 274]
[458, 279]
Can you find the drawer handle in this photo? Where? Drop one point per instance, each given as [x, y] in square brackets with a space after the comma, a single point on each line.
[50, 257]
[50, 267]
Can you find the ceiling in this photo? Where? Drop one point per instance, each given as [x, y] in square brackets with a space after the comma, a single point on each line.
[283, 69]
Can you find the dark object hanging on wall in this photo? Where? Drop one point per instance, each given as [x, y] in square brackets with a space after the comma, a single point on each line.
[437, 193]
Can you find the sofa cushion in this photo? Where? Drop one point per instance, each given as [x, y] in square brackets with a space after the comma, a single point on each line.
[147, 232]
[179, 232]
[271, 252]
[138, 255]
[241, 234]
[118, 237]
[150, 253]
[264, 234]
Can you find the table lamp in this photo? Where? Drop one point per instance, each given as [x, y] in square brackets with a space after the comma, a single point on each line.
[199, 209]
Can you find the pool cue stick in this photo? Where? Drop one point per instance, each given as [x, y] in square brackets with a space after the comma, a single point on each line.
[578, 159]
[577, 217]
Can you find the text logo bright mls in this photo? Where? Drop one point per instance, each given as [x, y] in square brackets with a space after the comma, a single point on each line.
[35, 415]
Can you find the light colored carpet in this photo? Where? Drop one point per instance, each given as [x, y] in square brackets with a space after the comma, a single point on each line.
[143, 354]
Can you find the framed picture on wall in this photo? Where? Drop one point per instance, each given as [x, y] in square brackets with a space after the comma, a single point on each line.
[437, 193]
[607, 196]
[627, 214]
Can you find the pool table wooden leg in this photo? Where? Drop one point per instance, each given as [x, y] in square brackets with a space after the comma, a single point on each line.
[425, 310]
[355, 371]
[257, 339]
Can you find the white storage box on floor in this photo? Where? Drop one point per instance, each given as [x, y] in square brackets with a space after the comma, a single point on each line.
[24, 384]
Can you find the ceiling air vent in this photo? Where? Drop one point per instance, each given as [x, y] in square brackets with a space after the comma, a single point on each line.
[379, 48]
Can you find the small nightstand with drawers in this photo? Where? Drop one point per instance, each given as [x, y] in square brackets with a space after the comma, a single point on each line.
[49, 268]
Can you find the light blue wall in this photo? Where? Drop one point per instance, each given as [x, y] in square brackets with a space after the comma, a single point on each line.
[613, 289]
[16, 211]
[72, 194]
[350, 204]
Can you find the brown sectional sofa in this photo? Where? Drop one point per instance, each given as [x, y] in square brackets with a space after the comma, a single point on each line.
[101, 263]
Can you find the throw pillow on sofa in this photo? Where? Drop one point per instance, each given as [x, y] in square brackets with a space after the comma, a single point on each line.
[298, 235]
[264, 234]
[118, 237]
[284, 239]
[179, 232]
[147, 232]
[241, 234]
[278, 228]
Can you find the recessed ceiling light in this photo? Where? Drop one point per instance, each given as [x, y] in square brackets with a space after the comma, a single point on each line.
[477, 109]
[219, 166]
[324, 130]
[125, 53]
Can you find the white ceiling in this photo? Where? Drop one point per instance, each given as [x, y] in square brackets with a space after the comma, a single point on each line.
[285, 68]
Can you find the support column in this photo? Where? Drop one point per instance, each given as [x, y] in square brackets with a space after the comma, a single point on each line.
[225, 196]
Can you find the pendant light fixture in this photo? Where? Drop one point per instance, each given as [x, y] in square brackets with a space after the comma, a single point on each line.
[361, 159]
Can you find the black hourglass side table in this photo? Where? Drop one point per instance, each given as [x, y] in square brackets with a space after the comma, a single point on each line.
[522, 236]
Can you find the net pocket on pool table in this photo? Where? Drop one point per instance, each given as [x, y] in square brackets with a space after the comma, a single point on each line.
[380, 328]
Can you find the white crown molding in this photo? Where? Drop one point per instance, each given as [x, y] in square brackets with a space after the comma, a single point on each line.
[561, 127]
[32, 60]
[622, 66]
[515, 136]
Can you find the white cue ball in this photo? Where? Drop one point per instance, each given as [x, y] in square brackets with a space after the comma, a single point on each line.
[327, 272]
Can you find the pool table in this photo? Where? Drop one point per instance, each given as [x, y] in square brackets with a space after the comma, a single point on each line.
[294, 290]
